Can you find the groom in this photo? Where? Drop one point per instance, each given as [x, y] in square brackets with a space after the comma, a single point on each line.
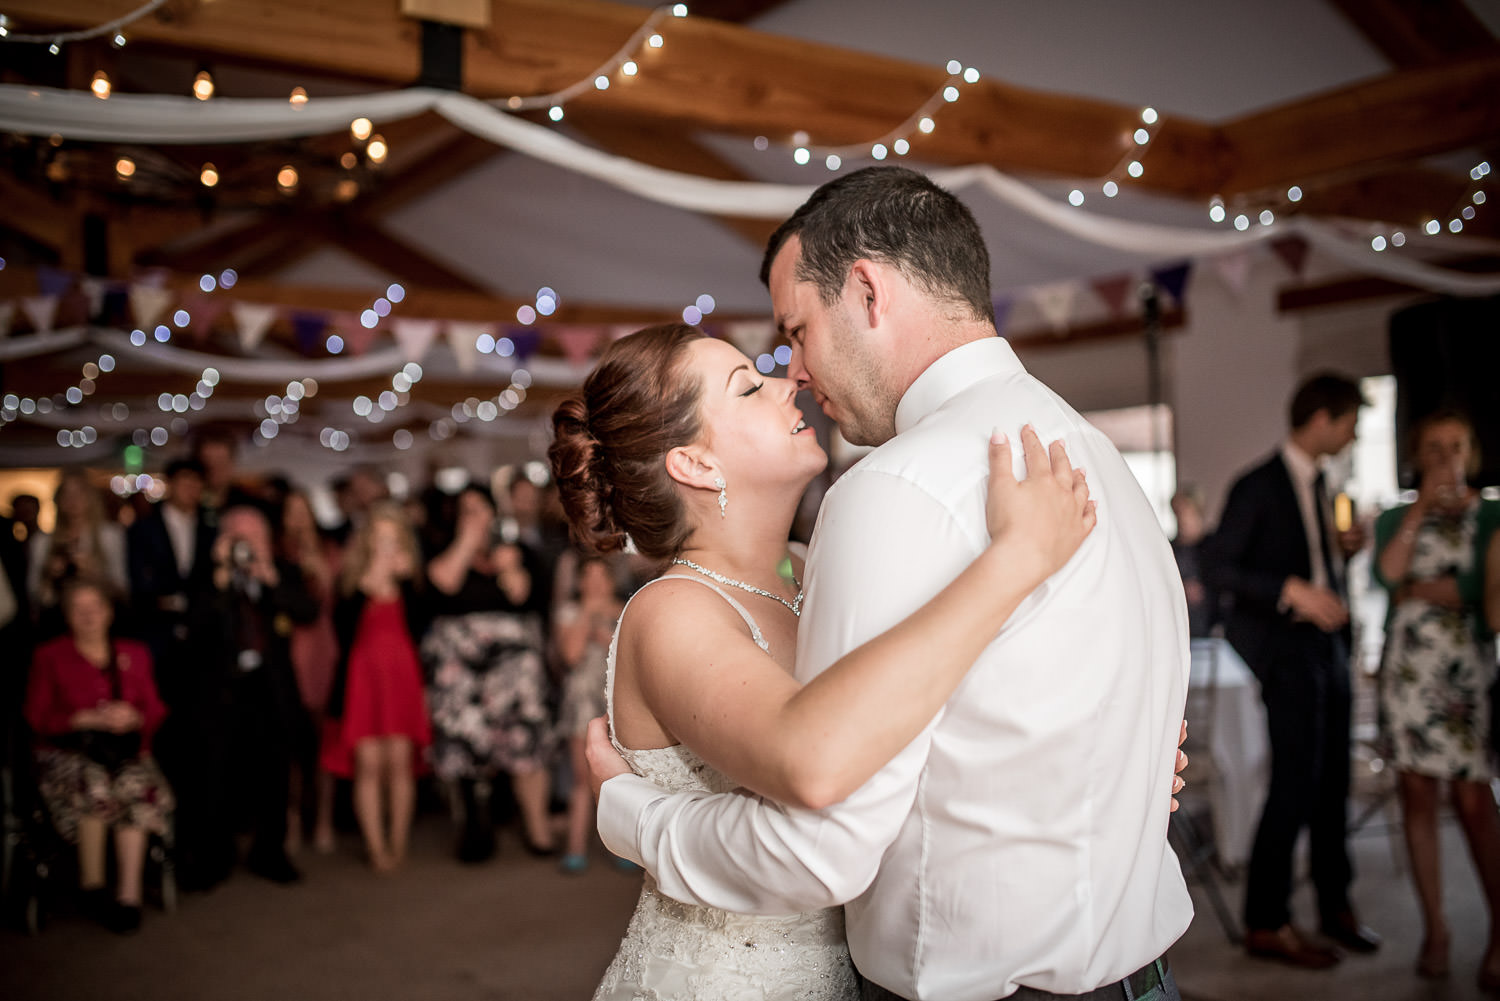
[1018, 847]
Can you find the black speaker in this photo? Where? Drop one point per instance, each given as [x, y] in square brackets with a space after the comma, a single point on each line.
[1446, 354]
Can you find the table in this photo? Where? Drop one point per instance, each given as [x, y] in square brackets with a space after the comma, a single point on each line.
[1225, 712]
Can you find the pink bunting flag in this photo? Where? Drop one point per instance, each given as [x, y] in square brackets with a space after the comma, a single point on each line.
[578, 343]
[1233, 269]
[1114, 290]
[203, 312]
[357, 337]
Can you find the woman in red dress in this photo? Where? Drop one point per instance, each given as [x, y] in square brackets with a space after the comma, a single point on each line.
[377, 692]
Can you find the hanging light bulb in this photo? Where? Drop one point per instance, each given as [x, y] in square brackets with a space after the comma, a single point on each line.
[377, 150]
[203, 85]
[101, 85]
[361, 128]
[125, 168]
[286, 179]
[299, 96]
[209, 175]
[347, 160]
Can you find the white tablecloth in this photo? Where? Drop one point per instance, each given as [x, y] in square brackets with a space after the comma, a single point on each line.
[1231, 719]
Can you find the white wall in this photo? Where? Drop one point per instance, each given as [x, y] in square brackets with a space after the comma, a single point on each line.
[1230, 371]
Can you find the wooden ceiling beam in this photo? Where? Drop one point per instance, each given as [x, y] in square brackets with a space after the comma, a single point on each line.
[1418, 32]
[716, 76]
[1408, 197]
[36, 215]
[1367, 126]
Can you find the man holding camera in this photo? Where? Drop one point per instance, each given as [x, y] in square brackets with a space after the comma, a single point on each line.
[242, 705]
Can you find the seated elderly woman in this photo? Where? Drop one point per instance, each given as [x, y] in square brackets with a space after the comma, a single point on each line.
[92, 704]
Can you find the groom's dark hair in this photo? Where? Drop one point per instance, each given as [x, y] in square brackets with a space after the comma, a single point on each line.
[895, 216]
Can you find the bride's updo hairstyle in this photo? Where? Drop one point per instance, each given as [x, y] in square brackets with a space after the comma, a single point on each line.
[611, 440]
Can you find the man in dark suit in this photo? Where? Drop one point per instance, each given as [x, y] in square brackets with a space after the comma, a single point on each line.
[170, 559]
[1277, 555]
[241, 702]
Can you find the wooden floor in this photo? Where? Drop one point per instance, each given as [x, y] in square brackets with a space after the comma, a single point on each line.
[517, 930]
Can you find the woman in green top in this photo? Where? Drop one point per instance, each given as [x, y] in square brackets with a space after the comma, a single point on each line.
[1437, 668]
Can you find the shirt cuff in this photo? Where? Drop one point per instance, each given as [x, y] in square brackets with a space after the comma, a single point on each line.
[622, 800]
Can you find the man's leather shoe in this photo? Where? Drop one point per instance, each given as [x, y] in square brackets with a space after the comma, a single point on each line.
[1288, 945]
[1346, 930]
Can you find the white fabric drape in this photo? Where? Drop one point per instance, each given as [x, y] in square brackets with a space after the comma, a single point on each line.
[177, 120]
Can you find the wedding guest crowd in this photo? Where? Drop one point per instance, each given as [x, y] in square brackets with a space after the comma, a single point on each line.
[212, 674]
[244, 659]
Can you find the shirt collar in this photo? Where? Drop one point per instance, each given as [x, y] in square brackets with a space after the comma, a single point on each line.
[953, 373]
[1304, 468]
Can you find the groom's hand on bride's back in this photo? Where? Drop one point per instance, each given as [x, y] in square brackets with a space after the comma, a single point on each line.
[604, 761]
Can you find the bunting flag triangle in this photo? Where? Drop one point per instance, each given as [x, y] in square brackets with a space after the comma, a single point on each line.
[357, 337]
[578, 343]
[463, 341]
[203, 312]
[752, 337]
[1293, 253]
[1002, 305]
[1234, 269]
[251, 321]
[148, 303]
[1113, 290]
[414, 336]
[7, 314]
[93, 294]
[526, 340]
[1055, 302]
[307, 330]
[1172, 279]
[53, 281]
[41, 310]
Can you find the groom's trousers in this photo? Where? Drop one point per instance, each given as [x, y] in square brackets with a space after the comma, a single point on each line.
[1152, 982]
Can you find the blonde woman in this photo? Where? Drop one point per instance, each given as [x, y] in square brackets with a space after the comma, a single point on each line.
[377, 690]
[83, 544]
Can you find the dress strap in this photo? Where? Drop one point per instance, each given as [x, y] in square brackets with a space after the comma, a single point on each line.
[614, 641]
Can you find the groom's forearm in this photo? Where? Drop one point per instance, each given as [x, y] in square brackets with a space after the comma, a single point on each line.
[739, 852]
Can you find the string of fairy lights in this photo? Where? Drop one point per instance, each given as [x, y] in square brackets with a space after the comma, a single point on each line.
[370, 148]
[1242, 212]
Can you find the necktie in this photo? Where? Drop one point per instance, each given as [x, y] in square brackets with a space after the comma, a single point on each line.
[1325, 546]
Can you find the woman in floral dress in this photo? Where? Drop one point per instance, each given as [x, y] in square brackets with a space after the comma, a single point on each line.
[1437, 669]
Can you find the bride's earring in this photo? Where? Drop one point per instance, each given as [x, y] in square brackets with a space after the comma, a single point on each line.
[723, 495]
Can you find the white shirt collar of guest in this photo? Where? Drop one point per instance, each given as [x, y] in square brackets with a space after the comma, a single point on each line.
[1304, 468]
[952, 374]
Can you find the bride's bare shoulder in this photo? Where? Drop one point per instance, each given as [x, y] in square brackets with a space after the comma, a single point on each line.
[674, 613]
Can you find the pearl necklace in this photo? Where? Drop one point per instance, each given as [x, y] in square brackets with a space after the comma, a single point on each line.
[795, 605]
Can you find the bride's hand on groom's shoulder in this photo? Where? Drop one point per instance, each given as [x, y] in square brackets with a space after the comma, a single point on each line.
[1047, 515]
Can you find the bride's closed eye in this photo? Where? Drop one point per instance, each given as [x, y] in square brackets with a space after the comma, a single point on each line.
[753, 389]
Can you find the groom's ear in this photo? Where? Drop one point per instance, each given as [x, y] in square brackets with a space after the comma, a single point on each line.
[692, 467]
[869, 286]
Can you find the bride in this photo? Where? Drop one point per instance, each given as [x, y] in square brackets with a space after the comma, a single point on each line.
[676, 441]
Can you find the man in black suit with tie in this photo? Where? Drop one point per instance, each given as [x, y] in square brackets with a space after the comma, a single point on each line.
[1277, 555]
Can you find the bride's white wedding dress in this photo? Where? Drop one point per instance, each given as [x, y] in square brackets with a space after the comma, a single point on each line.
[675, 952]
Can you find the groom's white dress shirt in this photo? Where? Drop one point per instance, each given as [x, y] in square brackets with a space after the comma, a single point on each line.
[1022, 838]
